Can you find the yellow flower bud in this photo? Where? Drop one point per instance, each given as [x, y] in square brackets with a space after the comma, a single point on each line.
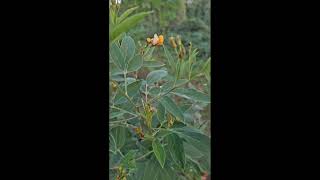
[172, 42]
[161, 39]
[179, 41]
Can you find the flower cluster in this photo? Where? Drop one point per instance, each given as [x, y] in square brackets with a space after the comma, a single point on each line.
[156, 40]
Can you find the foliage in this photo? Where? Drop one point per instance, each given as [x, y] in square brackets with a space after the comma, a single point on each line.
[121, 24]
[188, 18]
[155, 124]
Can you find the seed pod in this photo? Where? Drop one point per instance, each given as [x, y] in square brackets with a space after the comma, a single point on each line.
[172, 42]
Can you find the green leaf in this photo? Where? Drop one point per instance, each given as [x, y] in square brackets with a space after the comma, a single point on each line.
[195, 138]
[128, 160]
[127, 48]
[126, 14]
[115, 70]
[159, 152]
[117, 57]
[153, 171]
[195, 166]
[135, 64]
[169, 57]
[161, 113]
[115, 114]
[153, 64]
[192, 151]
[127, 24]
[205, 69]
[112, 143]
[176, 149]
[119, 134]
[192, 94]
[184, 69]
[133, 90]
[156, 75]
[112, 17]
[171, 107]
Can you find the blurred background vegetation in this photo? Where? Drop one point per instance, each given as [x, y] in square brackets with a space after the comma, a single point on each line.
[188, 18]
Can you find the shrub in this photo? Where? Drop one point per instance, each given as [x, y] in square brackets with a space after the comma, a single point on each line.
[155, 131]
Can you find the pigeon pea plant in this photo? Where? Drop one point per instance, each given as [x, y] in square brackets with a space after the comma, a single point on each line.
[151, 132]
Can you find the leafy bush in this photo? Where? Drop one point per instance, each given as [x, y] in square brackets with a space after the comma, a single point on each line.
[155, 131]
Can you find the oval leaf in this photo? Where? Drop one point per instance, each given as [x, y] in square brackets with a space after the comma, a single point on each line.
[135, 64]
[159, 152]
[161, 113]
[195, 138]
[171, 107]
[119, 134]
[117, 57]
[176, 149]
[127, 48]
[155, 76]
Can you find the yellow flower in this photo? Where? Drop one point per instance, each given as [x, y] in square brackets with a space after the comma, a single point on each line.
[156, 40]
[161, 39]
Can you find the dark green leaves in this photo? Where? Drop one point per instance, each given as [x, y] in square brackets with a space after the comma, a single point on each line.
[176, 149]
[119, 135]
[152, 171]
[159, 152]
[161, 113]
[155, 76]
[192, 94]
[171, 107]
[126, 14]
[126, 24]
[195, 138]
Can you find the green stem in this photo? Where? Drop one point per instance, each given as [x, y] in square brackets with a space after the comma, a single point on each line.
[145, 155]
[114, 107]
[125, 83]
[120, 153]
